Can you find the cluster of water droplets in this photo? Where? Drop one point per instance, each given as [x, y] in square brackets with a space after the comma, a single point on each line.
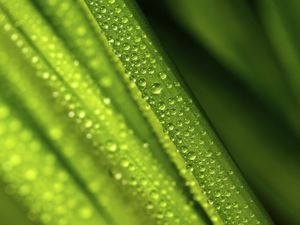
[130, 165]
[71, 144]
[76, 29]
[33, 173]
[180, 118]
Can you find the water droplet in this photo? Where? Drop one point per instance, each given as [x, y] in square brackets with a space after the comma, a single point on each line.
[86, 212]
[179, 98]
[192, 156]
[106, 101]
[31, 174]
[184, 149]
[161, 106]
[162, 75]
[118, 176]
[111, 146]
[118, 10]
[142, 82]
[34, 59]
[81, 114]
[88, 124]
[46, 75]
[125, 163]
[156, 88]
[124, 20]
[154, 195]
[170, 126]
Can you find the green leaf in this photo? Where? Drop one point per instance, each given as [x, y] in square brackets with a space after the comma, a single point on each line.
[203, 154]
[69, 68]
[129, 161]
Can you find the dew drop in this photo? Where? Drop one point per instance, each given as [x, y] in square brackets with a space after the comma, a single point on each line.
[142, 82]
[124, 20]
[88, 124]
[81, 114]
[31, 174]
[154, 195]
[162, 75]
[192, 156]
[118, 10]
[161, 106]
[111, 146]
[85, 212]
[35, 59]
[46, 75]
[106, 101]
[125, 163]
[156, 88]
[118, 176]
[184, 149]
